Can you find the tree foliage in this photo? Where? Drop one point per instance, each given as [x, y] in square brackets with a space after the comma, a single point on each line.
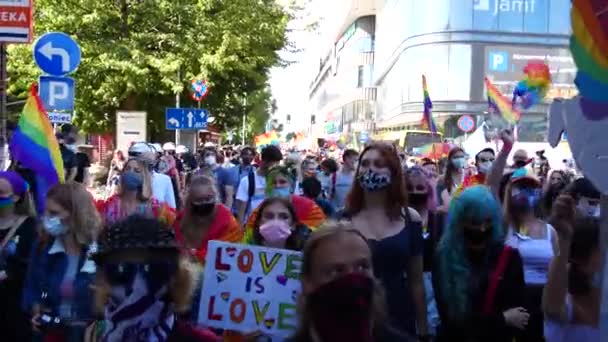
[137, 54]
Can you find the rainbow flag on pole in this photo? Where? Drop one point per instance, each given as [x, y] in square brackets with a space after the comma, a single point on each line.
[427, 119]
[34, 145]
[501, 105]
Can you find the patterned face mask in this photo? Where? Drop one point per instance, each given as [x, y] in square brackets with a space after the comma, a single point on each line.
[374, 181]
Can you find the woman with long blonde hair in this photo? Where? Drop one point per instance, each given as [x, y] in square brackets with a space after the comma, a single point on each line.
[204, 218]
[60, 273]
[134, 196]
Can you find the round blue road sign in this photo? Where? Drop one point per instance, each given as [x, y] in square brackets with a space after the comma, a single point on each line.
[56, 53]
[466, 123]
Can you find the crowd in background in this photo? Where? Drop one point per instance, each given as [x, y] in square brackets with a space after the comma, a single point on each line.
[468, 248]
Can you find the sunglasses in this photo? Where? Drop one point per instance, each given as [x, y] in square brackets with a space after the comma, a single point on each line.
[154, 272]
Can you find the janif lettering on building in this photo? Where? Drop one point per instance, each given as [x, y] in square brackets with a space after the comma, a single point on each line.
[497, 6]
[16, 21]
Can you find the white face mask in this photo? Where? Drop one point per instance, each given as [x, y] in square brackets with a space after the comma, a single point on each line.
[210, 160]
[588, 209]
[485, 167]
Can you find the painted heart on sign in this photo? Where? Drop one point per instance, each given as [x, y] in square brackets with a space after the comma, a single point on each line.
[221, 277]
[231, 251]
[281, 279]
[268, 323]
[225, 296]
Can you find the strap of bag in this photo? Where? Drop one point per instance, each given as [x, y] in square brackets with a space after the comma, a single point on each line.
[12, 232]
[501, 266]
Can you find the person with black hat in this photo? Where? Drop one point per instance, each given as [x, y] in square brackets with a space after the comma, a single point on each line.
[143, 283]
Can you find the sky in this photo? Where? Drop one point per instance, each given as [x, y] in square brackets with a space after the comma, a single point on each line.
[289, 85]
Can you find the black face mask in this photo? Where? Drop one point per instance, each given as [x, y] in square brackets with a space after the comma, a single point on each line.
[477, 237]
[520, 163]
[418, 199]
[202, 209]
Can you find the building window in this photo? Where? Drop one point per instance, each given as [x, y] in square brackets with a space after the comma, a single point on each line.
[360, 76]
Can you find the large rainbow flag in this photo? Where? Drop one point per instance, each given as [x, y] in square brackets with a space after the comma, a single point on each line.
[501, 105]
[34, 145]
[427, 119]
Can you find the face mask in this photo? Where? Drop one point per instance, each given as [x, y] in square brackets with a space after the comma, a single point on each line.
[520, 163]
[138, 309]
[281, 192]
[72, 148]
[476, 237]
[210, 160]
[202, 209]
[6, 202]
[587, 209]
[131, 180]
[275, 233]
[341, 309]
[418, 199]
[459, 162]
[374, 181]
[485, 167]
[525, 199]
[54, 226]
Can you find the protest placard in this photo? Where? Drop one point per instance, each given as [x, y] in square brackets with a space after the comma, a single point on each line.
[250, 288]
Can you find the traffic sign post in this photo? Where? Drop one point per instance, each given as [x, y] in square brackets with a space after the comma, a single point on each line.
[56, 53]
[466, 123]
[186, 118]
[56, 93]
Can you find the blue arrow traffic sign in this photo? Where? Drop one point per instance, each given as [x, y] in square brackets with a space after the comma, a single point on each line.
[186, 118]
[56, 53]
[56, 93]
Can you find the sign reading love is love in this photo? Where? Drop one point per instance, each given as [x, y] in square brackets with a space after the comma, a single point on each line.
[250, 288]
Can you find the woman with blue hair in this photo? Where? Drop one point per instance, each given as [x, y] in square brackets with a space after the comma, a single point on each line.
[478, 281]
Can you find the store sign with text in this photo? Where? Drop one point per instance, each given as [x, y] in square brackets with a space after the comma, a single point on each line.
[505, 64]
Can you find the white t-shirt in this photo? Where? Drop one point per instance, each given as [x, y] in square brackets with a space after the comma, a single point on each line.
[344, 182]
[242, 194]
[162, 189]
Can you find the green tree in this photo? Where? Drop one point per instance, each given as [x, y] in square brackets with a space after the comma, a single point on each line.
[137, 54]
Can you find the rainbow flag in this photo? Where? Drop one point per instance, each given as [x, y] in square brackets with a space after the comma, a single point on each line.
[35, 147]
[268, 138]
[427, 119]
[500, 105]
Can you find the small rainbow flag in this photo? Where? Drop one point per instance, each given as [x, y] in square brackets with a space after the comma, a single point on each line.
[34, 145]
[427, 119]
[268, 138]
[500, 105]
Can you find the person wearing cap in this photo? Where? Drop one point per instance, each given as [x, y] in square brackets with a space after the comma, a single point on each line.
[17, 234]
[252, 189]
[536, 241]
[143, 284]
[57, 291]
[520, 159]
[162, 188]
[134, 196]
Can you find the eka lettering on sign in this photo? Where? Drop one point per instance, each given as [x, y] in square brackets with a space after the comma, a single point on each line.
[250, 288]
[498, 6]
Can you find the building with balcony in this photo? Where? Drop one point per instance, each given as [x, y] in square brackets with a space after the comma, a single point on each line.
[342, 95]
[455, 43]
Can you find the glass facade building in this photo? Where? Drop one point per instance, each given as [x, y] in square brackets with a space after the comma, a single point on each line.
[342, 94]
[455, 43]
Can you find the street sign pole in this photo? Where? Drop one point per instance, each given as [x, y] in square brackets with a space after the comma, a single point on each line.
[3, 111]
[178, 134]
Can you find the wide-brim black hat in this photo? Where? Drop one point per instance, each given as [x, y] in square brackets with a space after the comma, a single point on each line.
[135, 232]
